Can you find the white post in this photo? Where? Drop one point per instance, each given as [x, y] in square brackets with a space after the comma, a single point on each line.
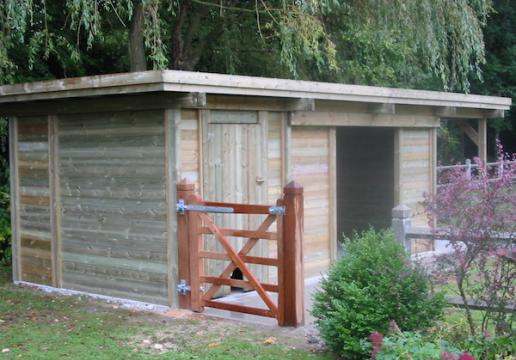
[468, 168]
[401, 225]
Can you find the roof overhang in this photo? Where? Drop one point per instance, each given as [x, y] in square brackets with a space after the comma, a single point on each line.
[209, 83]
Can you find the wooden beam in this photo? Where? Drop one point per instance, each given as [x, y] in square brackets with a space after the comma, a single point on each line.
[15, 203]
[107, 103]
[236, 283]
[172, 117]
[383, 108]
[445, 111]
[194, 247]
[398, 143]
[239, 308]
[184, 191]
[193, 100]
[333, 193]
[55, 201]
[333, 118]
[471, 133]
[482, 140]
[290, 252]
[300, 104]
[185, 81]
[496, 113]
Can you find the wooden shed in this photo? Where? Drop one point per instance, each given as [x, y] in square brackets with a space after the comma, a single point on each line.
[95, 161]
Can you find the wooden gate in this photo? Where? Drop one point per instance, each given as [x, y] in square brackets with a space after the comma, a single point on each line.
[194, 222]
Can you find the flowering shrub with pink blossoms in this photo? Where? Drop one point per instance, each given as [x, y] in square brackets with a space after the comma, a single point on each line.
[477, 215]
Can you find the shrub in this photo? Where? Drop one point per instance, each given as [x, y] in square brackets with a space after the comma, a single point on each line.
[492, 347]
[372, 284]
[473, 212]
[409, 345]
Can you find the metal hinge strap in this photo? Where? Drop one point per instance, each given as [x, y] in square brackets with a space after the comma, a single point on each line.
[182, 288]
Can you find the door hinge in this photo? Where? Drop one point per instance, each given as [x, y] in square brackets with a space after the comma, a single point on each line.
[182, 288]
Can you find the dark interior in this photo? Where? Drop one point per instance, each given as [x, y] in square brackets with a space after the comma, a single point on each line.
[365, 178]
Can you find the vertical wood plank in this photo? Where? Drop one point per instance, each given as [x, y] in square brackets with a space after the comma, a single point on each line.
[333, 193]
[291, 283]
[262, 188]
[482, 139]
[286, 156]
[195, 245]
[397, 165]
[202, 118]
[55, 200]
[184, 191]
[15, 205]
[433, 160]
[172, 157]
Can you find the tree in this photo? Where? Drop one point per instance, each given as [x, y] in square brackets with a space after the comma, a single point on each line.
[420, 43]
[499, 70]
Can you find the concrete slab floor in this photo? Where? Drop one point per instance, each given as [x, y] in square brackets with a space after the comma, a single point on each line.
[251, 298]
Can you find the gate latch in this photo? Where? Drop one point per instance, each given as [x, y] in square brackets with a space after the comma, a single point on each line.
[182, 288]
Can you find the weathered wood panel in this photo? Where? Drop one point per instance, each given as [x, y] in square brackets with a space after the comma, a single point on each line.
[234, 170]
[189, 147]
[365, 178]
[414, 169]
[309, 165]
[112, 171]
[275, 183]
[34, 222]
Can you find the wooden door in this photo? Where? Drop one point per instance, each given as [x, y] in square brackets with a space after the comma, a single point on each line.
[234, 158]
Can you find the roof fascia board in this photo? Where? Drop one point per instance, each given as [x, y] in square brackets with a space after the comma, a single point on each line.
[184, 81]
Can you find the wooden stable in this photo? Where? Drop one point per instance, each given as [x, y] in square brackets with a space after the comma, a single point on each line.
[95, 162]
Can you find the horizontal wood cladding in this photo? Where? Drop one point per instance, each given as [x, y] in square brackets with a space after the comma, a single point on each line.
[309, 165]
[34, 200]
[112, 193]
[415, 169]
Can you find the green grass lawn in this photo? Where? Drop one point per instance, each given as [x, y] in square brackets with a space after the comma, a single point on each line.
[34, 325]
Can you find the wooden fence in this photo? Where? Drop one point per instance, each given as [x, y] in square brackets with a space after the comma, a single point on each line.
[471, 168]
[405, 234]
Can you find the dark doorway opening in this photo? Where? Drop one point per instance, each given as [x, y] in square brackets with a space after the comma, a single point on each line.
[365, 178]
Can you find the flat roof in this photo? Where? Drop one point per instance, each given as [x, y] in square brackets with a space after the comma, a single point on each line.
[210, 83]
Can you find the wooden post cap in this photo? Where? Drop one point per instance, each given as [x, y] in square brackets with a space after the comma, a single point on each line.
[185, 185]
[293, 188]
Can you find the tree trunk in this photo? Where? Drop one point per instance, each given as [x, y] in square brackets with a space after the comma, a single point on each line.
[136, 48]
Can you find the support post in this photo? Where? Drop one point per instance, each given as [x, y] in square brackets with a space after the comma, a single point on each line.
[468, 169]
[184, 191]
[290, 252]
[401, 224]
[482, 140]
[194, 247]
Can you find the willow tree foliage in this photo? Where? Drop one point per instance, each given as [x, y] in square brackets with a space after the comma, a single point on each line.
[424, 43]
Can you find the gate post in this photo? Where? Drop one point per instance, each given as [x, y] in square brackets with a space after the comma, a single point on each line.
[184, 189]
[401, 224]
[194, 248]
[290, 252]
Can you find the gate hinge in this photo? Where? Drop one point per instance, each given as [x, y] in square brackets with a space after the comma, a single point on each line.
[182, 288]
[277, 210]
[180, 208]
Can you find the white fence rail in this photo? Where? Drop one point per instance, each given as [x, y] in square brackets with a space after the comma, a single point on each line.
[496, 169]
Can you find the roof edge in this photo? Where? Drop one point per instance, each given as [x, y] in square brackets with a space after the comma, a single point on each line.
[213, 83]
